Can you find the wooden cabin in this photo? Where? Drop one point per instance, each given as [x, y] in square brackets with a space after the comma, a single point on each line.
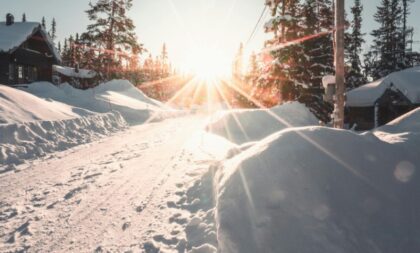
[377, 103]
[27, 53]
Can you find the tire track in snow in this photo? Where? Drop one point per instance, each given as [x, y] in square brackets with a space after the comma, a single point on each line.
[120, 190]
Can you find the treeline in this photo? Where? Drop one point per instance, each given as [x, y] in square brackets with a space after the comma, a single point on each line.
[110, 45]
[301, 50]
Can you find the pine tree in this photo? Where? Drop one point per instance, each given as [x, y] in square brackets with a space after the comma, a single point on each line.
[148, 68]
[301, 52]
[355, 77]
[238, 62]
[406, 31]
[70, 53]
[53, 31]
[43, 23]
[112, 32]
[164, 62]
[23, 17]
[387, 51]
[253, 68]
[65, 53]
[319, 22]
[285, 71]
[59, 47]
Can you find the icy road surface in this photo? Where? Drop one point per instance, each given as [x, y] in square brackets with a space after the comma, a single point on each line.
[112, 195]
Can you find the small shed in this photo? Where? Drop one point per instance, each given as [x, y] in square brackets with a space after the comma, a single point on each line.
[27, 53]
[380, 102]
[78, 78]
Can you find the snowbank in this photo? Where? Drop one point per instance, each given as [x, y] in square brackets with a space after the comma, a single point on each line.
[317, 189]
[406, 123]
[116, 95]
[240, 126]
[71, 72]
[17, 106]
[35, 139]
[406, 81]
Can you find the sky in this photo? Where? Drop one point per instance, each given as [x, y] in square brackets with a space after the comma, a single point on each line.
[190, 28]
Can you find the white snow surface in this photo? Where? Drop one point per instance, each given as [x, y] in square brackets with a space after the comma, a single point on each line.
[116, 95]
[17, 106]
[139, 190]
[240, 126]
[71, 72]
[22, 141]
[316, 189]
[406, 81]
[170, 186]
[33, 123]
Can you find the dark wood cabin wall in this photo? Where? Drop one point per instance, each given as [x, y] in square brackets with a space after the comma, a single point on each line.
[4, 69]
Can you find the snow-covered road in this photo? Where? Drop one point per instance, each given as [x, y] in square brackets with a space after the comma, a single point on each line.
[114, 194]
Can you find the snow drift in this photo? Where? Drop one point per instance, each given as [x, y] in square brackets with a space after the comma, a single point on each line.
[116, 95]
[19, 141]
[240, 126]
[316, 189]
[17, 106]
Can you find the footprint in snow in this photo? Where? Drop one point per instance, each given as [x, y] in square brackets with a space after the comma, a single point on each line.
[7, 212]
[125, 226]
[164, 240]
[73, 192]
[22, 230]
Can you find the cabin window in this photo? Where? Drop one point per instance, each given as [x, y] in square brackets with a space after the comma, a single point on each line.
[11, 71]
[20, 72]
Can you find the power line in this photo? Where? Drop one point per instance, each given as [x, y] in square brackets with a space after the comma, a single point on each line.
[256, 25]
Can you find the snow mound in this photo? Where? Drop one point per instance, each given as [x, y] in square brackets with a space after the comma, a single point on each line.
[126, 88]
[406, 81]
[71, 72]
[17, 106]
[319, 190]
[20, 141]
[409, 122]
[116, 95]
[240, 126]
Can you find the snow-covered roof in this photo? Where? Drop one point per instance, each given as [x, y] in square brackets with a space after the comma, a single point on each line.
[71, 72]
[12, 36]
[406, 81]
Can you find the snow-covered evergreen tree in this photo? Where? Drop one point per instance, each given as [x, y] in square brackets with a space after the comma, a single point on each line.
[24, 17]
[354, 75]
[253, 69]
[164, 62]
[301, 52]
[43, 23]
[406, 31]
[319, 22]
[387, 50]
[148, 67]
[112, 34]
[53, 31]
[237, 66]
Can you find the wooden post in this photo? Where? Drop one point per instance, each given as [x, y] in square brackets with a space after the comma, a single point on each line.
[339, 64]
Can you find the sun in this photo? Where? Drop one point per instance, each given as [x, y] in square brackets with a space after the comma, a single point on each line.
[208, 64]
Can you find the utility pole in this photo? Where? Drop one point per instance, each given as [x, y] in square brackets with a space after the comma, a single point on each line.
[339, 64]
